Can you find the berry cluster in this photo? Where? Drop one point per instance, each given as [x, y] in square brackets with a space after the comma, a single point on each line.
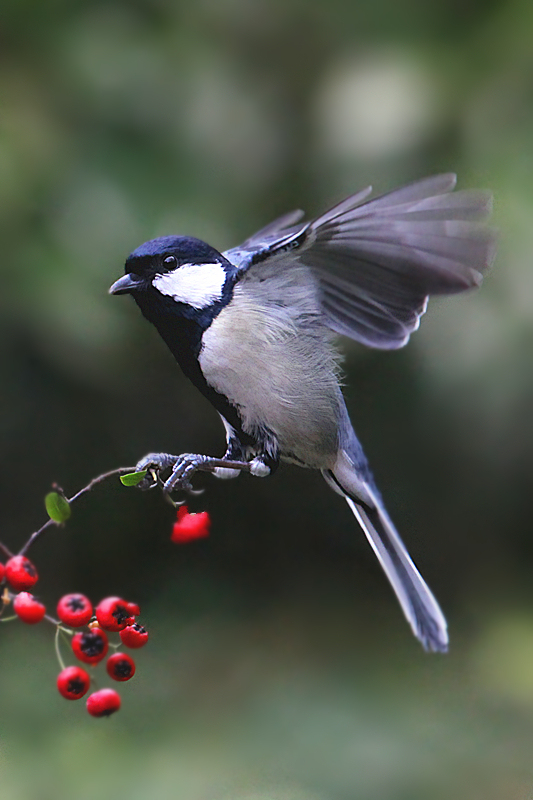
[90, 646]
[112, 615]
[89, 640]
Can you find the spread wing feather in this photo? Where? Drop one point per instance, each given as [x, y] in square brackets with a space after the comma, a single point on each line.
[273, 228]
[376, 262]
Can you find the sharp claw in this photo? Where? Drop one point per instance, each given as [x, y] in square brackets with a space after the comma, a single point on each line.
[149, 482]
[174, 503]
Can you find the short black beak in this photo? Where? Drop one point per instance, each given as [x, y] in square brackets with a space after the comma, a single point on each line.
[128, 283]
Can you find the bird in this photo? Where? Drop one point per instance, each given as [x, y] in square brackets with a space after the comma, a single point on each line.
[255, 328]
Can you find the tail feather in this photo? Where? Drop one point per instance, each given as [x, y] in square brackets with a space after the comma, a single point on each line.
[418, 603]
[416, 600]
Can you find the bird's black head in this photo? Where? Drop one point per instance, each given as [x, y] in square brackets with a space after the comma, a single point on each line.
[180, 284]
[177, 276]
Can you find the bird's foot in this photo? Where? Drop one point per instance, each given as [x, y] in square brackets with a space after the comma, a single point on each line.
[189, 463]
[183, 469]
[154, 464]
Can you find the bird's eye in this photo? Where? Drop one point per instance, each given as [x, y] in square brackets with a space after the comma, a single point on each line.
[170, 260]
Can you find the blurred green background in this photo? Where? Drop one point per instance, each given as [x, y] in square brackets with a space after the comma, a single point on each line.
[280, 666]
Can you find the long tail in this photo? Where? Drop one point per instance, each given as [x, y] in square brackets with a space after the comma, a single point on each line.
[418, 603]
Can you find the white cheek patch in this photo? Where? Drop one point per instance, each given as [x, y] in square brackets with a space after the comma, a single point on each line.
[197, 285]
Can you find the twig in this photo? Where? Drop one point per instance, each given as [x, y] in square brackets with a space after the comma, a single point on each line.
[6, 551]
[69, 500]
[58, 652]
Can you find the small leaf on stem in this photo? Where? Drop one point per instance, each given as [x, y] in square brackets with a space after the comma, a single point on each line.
[57, 506]
[133, 478]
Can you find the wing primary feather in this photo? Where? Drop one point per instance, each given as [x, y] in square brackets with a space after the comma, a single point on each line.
[352, 202]
[390, 253]
[376, 261]
[279, 224]
[417, 190]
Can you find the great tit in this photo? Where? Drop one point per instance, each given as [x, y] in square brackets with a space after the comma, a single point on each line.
[253, 328]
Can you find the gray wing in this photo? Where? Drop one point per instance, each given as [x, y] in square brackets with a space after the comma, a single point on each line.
[378, 261]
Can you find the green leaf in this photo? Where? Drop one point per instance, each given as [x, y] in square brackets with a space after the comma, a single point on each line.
[133, 478]
[57, 506]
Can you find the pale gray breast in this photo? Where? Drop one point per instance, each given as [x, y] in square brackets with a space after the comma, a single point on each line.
[271, 356]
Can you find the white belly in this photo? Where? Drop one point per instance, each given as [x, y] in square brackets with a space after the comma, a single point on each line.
[280, 374]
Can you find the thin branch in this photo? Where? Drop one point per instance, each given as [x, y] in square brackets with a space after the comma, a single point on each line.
[35, 535]
[58, 651]
[99, 479]
[50, 522]
[6, 551]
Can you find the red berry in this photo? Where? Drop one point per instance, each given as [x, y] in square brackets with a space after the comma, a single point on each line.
[21, 573]
[134, 609]
[103, 703]
[2, 572]
[113, 614]
[190, 526]
[28, 608]
[75, 610]
[73, 683]
[90, 646]
[120, 667]
[134, 635]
